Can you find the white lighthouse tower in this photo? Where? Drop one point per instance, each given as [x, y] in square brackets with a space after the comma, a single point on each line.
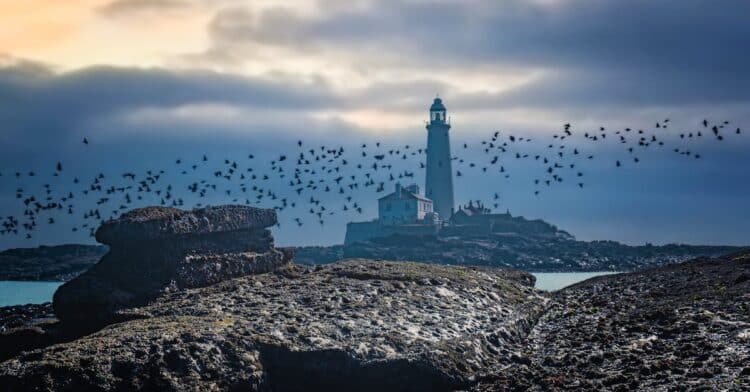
[439, 178]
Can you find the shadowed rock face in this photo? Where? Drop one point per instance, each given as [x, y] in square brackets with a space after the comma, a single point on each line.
[354, 325]
[157, 250]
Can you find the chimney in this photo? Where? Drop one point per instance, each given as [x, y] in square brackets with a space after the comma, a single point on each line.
[398, 189]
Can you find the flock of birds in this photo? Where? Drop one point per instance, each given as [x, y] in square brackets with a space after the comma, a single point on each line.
[297, 182]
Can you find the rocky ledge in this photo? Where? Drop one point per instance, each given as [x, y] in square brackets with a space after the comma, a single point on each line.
[156, 250]
[152, 251]
[352, 325]
[680, 327]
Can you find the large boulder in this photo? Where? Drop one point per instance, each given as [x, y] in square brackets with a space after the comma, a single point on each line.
[357, 325]
[156, 250]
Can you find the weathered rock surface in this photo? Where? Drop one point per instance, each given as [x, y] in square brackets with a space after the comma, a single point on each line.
[164, 223]
[53, 263]
[354, 325]
[12, 317]
[156, 250]
[680, 327]
[530, 253]
[27, 327]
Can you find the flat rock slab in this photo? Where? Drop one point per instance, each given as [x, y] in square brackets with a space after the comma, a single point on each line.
[157, 223]
[353, 325]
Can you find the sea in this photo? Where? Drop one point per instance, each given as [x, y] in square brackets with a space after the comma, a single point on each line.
[551, 281]
[21, 293]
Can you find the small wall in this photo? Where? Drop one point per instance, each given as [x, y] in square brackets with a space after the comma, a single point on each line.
[361, 231]
[415, 230]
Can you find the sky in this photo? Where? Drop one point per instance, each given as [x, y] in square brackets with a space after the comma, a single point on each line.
[151, 81]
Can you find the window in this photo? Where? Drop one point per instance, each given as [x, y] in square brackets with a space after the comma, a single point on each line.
[387, 206]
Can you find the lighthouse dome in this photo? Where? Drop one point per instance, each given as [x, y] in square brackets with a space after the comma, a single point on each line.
[437, 105]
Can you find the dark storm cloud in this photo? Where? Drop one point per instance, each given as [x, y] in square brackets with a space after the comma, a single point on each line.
[626, 90]
[35, 101]
[640, 52]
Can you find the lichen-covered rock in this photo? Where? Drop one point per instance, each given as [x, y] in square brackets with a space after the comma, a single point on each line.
[354, 325]
[156, 250]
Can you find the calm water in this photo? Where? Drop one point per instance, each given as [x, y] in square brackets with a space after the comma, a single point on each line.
[552, 281]
[20, 293]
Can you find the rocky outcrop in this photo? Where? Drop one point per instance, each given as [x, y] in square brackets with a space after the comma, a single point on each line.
[383, 325]
[156, 250]
[201, 300]
[53, 263]
[536, 253]
[354, 325]
[680, 327]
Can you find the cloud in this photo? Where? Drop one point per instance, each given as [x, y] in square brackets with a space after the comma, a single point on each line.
[129, 7]
[581, 51]
[35, 101]
[368, 69]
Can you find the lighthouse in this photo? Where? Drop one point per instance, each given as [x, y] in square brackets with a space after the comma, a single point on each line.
[439, 177]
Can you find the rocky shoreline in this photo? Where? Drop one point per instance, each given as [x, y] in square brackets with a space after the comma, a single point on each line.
[529, 253]
[49, 263]
[534, 254]
[209, 313]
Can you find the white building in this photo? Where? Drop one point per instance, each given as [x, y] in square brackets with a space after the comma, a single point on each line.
[404, 206]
